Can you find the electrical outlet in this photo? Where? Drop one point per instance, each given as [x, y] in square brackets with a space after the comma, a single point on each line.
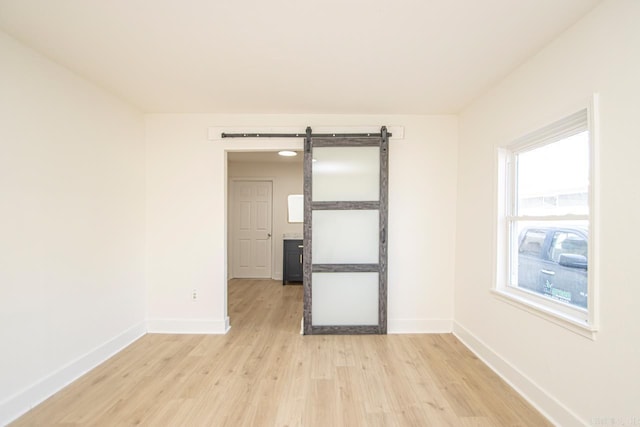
[194, 295]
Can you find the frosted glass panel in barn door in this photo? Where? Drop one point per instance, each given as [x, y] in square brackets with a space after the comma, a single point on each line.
[345, 234]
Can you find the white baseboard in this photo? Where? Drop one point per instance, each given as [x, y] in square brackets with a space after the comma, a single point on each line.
[550, 407]
[23, 401]
[419, 326]
[188, 326]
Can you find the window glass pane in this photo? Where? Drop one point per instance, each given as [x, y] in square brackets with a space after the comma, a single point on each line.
[346, 174]
[554, 179]
[550, 258]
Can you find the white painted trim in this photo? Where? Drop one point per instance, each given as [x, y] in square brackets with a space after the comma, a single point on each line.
[188, 326]
[594, 211]
[214, 132]
[419, 326]
[545, 310]
[541, 399]
[21, 402]
[582, 322]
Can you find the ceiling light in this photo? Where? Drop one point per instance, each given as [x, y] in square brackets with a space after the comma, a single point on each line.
[287, 153]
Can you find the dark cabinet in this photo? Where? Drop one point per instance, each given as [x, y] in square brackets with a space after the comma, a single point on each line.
[292, 261]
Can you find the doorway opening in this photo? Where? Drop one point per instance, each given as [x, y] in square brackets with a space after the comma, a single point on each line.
[258, 186]
[363, 210]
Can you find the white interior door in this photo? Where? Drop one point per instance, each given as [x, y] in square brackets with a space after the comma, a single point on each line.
[252, 211]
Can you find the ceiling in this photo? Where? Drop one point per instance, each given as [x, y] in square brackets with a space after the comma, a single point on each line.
[292, 56]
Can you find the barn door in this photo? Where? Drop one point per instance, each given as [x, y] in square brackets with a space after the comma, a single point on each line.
[345, 234]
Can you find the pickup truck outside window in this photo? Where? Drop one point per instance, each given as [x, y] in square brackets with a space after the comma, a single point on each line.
[553, 262]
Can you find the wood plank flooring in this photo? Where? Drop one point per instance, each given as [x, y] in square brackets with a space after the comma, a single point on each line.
[264, 373]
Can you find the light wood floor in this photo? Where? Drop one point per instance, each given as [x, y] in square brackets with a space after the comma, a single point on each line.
[264, 373]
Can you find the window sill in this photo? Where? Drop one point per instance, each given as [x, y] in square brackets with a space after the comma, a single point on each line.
[561, 319]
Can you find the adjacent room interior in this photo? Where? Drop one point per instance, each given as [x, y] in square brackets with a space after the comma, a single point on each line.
[127, 296]
[283, 176]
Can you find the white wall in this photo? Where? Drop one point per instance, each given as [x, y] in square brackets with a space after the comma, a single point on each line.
[186, 216]
[71, 221]
[287, 179]
[573, 379]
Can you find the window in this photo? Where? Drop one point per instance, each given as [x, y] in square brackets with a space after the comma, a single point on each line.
[544, 230]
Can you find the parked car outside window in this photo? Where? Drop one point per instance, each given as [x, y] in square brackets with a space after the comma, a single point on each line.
[553, 261]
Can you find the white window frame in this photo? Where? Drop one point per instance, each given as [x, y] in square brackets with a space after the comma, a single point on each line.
[576, 319]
